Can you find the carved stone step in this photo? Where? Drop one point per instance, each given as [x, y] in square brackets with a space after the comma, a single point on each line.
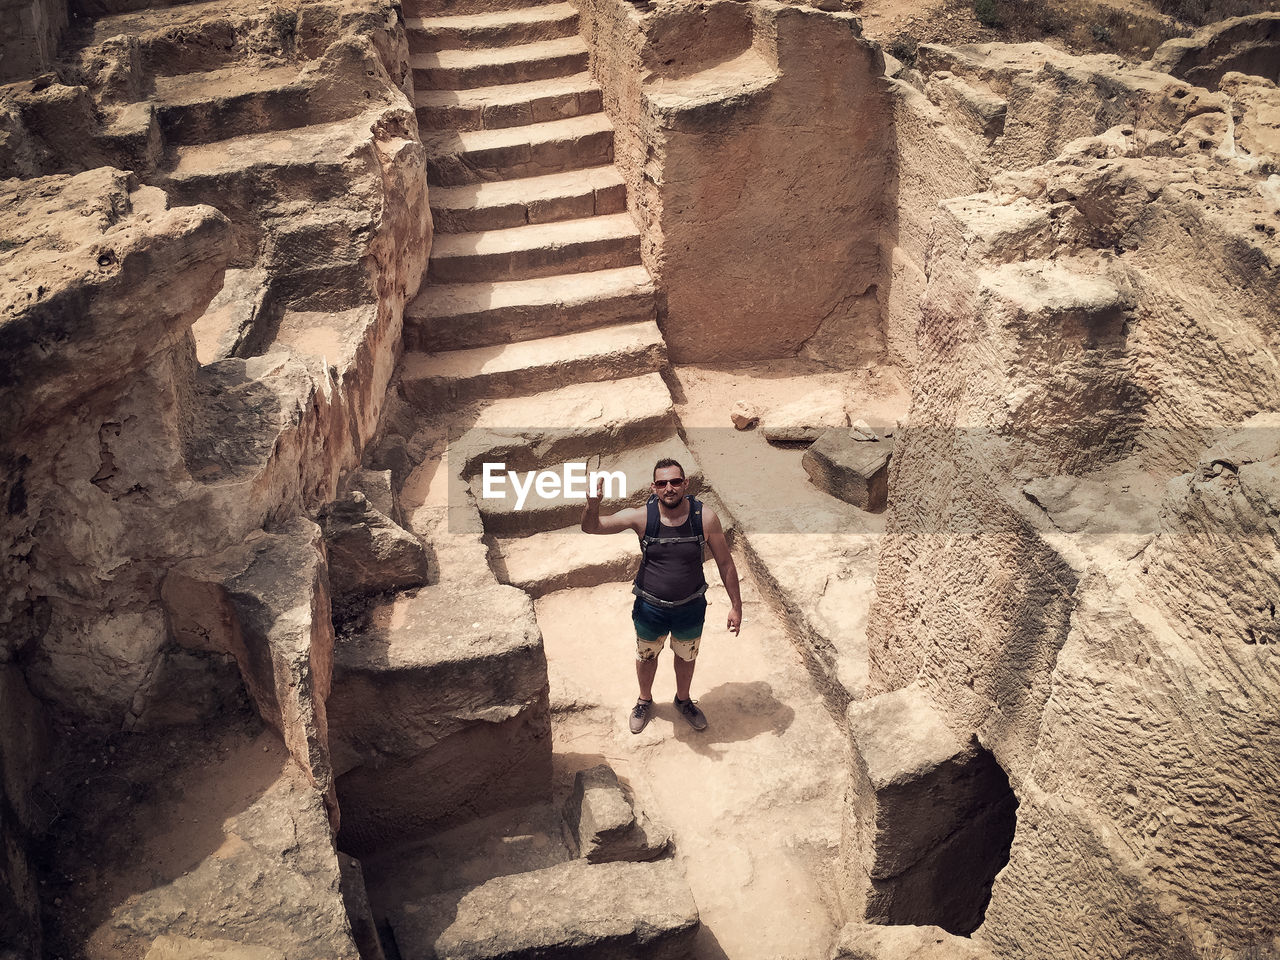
[497, 28]
[475, 156]
[486, 66]
[455, 316]
[608, 353]
[508, 104]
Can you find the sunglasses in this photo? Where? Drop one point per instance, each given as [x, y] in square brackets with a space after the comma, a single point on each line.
[677, 482]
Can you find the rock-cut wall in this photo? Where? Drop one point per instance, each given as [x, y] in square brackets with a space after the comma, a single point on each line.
[208, 247]
[751, 137]
[29, 35]
[1081, 561]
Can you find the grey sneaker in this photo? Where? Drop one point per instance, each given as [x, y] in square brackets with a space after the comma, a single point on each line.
[689, 710]
[640, 715]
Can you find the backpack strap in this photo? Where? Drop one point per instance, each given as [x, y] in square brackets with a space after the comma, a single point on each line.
[695, 518]
[651, 524]
[652, 519]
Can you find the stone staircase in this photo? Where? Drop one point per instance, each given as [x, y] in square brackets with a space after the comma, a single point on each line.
[536, 331]
[290, 135]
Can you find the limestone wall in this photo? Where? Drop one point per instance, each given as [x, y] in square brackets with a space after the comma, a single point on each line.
[29, 34]
[751, 136]
[962, 115]
[128, 453]
[1079, 562]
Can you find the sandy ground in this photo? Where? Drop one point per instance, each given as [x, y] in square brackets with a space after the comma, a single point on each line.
[750, 800]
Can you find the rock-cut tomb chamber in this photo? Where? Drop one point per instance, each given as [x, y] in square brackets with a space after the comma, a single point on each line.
[280, 278]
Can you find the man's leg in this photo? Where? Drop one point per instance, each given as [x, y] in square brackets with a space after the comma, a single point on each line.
[646, 670]
[684, 675]
[686, 655]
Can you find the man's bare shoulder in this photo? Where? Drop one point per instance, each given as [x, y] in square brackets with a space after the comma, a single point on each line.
[710, 519]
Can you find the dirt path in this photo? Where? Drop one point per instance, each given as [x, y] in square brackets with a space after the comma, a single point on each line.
[751, 800]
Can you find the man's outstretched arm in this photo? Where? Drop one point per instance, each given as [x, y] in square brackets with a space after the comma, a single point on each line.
[714, 533]
[592, 522]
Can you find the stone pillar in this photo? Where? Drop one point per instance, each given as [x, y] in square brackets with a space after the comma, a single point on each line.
[929, 818]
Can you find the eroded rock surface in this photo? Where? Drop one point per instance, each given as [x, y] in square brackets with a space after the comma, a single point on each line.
[226, 853]
[267, 604]
[1110, 688]
[368, 552]
[575, 909]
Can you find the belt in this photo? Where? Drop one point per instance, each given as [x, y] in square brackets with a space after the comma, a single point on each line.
[650, 598]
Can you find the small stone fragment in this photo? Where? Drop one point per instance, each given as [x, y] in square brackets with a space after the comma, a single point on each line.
[744, 415]
[368, 551]
[805, 420]
[378, 488]
[862, 431]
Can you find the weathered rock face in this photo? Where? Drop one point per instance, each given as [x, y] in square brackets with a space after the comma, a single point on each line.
[146, 430]
[963, 115]
[266, 603]
[29, 32]
[751, 137]
[1245, 44]
[1115, 672]
[92, 456]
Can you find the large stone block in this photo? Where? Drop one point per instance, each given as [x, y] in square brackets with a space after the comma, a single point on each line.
[806, 419]
[576, 909]
[266, 602]
[852, 470]
[368, 551]
[605, 823]
[440, 712]
[929, 820]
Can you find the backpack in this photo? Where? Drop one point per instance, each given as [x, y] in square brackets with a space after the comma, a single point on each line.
[653, 521]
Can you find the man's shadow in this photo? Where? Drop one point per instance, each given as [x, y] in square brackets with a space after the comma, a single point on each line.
[735, 712]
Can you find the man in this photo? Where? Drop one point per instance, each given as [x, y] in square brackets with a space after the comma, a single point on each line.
[669, 587]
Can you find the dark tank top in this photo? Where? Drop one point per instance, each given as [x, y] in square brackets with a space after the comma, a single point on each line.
[672, 571]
